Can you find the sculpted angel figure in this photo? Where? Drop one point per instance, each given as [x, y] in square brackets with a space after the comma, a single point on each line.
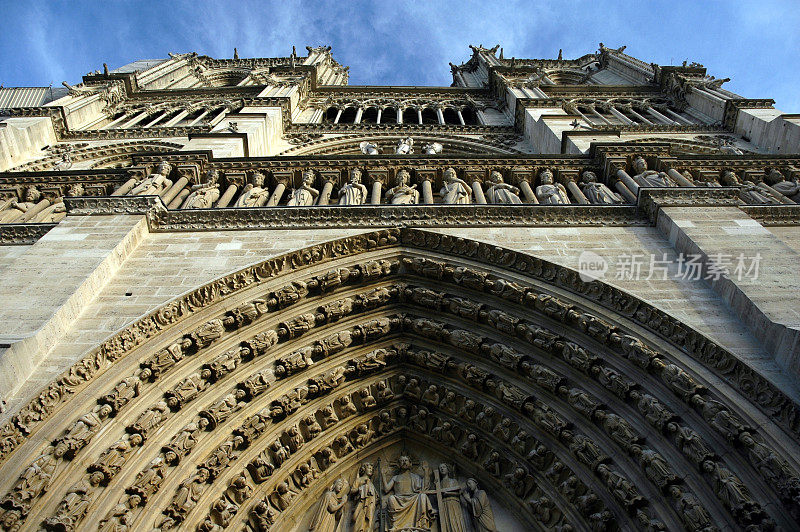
[455, 191]
[598, 193]
[353, 193]
[649, 178]
[305, 195]
[550, 192]
[501, 192]
[405, 146]
[204, 196]
[254, 194]
[154, 183]
[403, 193]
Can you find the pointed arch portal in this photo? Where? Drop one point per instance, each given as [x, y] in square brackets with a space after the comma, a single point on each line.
[571, 404]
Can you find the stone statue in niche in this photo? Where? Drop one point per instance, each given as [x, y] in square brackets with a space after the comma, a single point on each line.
[254, 193]
[364, 497]
[598, 193]
[451, 518]
[154, 183]
[403, 193]
[432, 148]
[748, 191]
[455, 191]
[405, 146]
[306, 195]
[74, 505]
[204, 195]
[501, 192]
[478, 506]
[550, 192]
[353, 193]
[406, 501]
[329, 512]
[788, 187]
[18, 208]
[649, 178]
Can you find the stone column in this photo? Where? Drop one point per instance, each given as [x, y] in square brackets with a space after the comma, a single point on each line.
[678, 178]
[179, 198]
[329, 178]
[625, 191]
[126, 187]
[522, 180]
[282, 177]
[477, 191]
[425, 178]
[33, 211]
[375, 197]
[173, 191]
[627, 180]
[227, 196]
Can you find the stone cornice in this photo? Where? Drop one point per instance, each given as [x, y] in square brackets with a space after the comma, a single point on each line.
[774, 214]
[22, 234]
[652, 199]
[105, 205]
[401, 128]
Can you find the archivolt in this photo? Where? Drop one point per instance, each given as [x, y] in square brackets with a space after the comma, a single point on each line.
[350, 145]
[598, 417]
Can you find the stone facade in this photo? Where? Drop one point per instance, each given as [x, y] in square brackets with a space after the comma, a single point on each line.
[557, 295]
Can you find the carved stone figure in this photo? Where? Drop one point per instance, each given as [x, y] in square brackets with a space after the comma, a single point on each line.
[749, 192]
[254, 193]
[385, 393]
[690, 443]
[185, 391]
[692, 512]
[36, 478]
[369, 148]
[263, 516]
[649, 178]
[405, 146]
[81, 432]
[432, 148]
[123, 392]
[75, 503]
[367, 400]
[598, 193]
[283, 495]
[403, 193]
[17, 208]
[655, 466]
[788, 187]
[364, 496]
[154, 183]
[306, 195]
[479, 507]
[406, 502]
[346, 407]
[500, 192]
[455, 191]
[161, 362]
[329, 513]
[550, 192]
[260, 468]
[470, 447]
[204, 195]
[353, 193]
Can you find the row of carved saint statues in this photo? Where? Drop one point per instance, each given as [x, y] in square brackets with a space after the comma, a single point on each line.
[773, 188]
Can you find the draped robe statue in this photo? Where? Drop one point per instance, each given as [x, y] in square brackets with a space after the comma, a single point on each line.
[154, 183]
[306, 195]
[254, 194]
[789, 188]
[501, 192]
[598, 193]
[403, 193]
[549, 192]
[365, 496]
[329, 509]
[479, 507]
[353, 193]
[204, 196]
[451, 517]
[455, 191]
[748, 192]
[649, 178]
[408, 506]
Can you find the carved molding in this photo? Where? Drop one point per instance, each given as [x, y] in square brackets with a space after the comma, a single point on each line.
[651, 199]
[22, 234]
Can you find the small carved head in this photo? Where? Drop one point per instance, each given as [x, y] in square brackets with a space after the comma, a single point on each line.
[404, 462]
[164, 168]
[472, 485]
[450, 175]
[546, 177]
[366, 469]
[444, 469]
[729, 179]
[258, 179]
[337, 485]
[75, 189]
[496, 177]
[32, 194]
[355, 176]
[639, 164]
[308, 177]
[588, 177]
[402, 178]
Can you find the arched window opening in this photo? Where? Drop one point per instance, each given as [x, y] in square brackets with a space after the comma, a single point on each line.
[330, 115]
[429, 116]
[389, 115]
[470, 118]
[410, 116]
[370, 115]
[348, 116]
[451, 116]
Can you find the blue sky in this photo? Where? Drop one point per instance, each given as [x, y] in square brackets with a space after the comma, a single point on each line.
[757, 44]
